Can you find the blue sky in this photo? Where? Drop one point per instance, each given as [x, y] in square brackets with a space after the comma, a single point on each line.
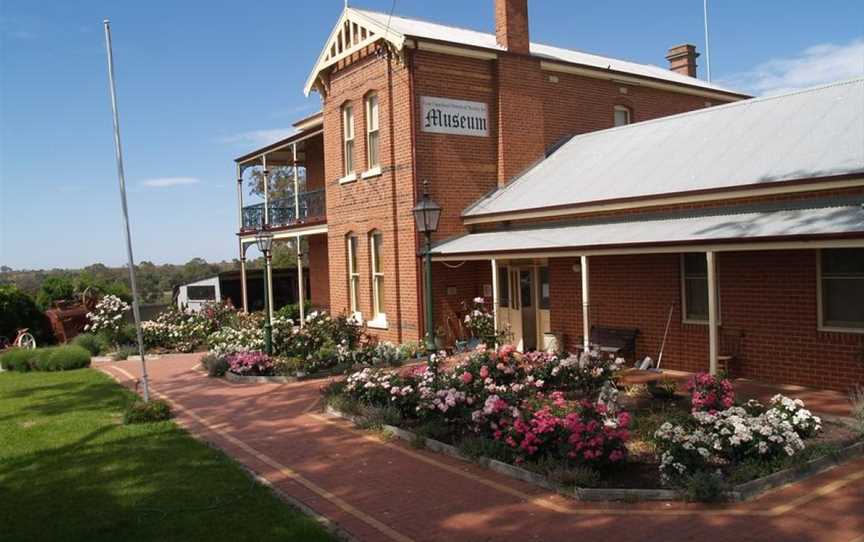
[202, 82]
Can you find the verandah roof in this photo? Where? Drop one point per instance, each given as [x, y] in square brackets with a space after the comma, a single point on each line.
[808, 220]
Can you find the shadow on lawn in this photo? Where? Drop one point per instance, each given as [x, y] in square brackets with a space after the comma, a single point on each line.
[78, 396]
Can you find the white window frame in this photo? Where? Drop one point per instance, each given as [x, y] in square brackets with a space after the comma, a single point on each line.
[623, 109]
[684, 317]
[379, 315]
[348, 158]
[821, 326]
[351, 242]
[372, 129]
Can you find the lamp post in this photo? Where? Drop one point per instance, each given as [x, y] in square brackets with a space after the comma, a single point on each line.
[264, 241]
[426, 216]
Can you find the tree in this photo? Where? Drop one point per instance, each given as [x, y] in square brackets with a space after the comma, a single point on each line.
[18, 310]
[281, 182]
[56, 288]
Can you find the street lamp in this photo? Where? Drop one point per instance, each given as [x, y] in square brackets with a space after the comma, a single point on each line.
[426, 216]
[264, 241]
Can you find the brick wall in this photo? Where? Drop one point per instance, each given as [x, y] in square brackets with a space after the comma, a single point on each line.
[381, 203]
[319, 271]
[770, 296]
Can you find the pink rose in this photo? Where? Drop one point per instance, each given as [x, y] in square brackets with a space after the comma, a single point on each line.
[484, 372]
[467, 377]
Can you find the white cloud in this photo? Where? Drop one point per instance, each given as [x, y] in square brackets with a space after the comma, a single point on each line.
[166, 182]
[257, 138]
[816, 65]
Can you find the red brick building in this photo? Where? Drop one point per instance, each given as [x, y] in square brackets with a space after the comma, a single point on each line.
[562, 223]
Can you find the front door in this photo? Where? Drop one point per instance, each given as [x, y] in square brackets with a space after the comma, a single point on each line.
[528, 303]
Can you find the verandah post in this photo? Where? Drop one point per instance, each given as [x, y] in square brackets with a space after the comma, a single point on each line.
[496, 301]
[301, 294]
[712, 312]
[586, 303]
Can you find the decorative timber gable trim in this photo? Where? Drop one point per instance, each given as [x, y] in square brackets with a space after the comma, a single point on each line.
[353, 32]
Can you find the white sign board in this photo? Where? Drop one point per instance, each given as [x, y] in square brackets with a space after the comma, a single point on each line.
[446, 116]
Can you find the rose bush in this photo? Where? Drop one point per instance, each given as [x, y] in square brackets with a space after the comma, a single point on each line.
[710, 393]
[107, 318]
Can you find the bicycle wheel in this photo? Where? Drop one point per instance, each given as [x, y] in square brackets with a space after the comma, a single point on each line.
[26, 340]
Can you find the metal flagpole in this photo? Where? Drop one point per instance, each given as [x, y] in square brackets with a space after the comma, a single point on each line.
[707, 46]
[121, 177]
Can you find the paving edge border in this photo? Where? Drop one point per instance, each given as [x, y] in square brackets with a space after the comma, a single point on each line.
[240, 379]
[740, 492]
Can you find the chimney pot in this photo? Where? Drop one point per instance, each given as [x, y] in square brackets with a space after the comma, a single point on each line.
[511, 25]
[682, 59]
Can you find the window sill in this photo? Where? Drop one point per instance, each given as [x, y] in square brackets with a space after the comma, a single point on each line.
[358, 317]
[379, 322]
[831, 329]
[374, 172]
[350, 178]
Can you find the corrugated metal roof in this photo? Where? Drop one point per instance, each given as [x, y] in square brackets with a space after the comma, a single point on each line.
[463, 36]
[812, 133]
[815, 218]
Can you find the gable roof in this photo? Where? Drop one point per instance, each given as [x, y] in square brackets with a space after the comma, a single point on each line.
[813, 133]
[397, 30]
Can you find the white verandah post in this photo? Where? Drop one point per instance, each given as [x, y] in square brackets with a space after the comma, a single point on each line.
[496, 300]
[243, 293]
[296, 183]
[266, 191]
[586, 304]
[710, 258]
[301, 294]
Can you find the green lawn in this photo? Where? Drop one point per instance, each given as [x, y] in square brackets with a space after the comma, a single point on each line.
[69, 470]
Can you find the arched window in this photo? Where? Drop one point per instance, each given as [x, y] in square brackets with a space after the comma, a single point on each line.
[348, 138]
[622, 115]
[372, 155]
[353, 274]
[377, 257]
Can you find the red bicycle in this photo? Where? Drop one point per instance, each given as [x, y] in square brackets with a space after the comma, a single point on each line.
[24, 339]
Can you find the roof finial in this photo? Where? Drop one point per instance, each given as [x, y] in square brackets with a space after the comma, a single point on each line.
[346, 4]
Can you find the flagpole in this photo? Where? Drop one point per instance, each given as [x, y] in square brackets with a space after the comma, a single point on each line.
[707, 45]
[121, 178]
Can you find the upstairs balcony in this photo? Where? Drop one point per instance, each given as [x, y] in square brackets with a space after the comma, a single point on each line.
[308, 208]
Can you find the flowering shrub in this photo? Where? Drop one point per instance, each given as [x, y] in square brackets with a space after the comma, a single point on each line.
[710, 393]
[582, 432]
[245, 336]
[481, 322]
[729, 436]
[793, 411]
[107, 317]
[592, 372]
[250, 364]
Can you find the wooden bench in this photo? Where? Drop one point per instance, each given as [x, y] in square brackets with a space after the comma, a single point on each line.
[620, 341]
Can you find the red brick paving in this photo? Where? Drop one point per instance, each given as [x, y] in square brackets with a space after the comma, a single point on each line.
[389, 491]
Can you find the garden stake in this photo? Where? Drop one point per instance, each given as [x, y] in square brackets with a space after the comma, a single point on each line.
[663, 344]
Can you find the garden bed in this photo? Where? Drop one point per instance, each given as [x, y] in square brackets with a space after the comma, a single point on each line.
[561, 424]
[634, 481]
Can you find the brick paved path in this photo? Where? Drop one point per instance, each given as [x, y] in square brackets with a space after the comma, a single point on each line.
[388, 491]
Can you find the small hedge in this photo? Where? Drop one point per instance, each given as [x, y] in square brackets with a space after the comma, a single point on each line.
[216, 366]
[55, 358]
[95, 344]
[156, 410]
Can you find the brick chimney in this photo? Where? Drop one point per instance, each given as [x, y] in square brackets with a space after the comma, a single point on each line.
[682, 59]
[511, 25]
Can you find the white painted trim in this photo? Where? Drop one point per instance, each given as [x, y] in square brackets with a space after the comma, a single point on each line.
[643, 81]
[732, 247]
[648, 201]
[456, 51]
[350, 178]
[379, 322]
[287, 234]
[820, 315]
[368, 174]
[355, 17]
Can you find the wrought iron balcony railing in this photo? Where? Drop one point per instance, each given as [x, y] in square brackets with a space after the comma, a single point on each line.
[309, 207]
